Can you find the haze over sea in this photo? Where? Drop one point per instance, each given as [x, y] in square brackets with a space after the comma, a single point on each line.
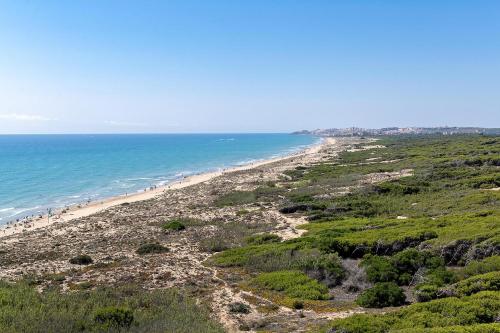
[42, 171]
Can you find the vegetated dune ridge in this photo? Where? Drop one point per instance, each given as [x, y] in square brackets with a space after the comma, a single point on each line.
[399, 221]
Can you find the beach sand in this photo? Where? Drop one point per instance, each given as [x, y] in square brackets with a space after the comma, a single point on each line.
[64, 215]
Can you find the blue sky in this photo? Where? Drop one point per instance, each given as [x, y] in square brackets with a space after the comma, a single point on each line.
[246, 66]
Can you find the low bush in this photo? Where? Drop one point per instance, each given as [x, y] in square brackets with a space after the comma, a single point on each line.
[271, 257]
[326, 268]
[477, 283]
[396, 188]
[262, 239]
[479, 328]
[442, 315]
[430, 286]
[258, 257]
[356, 237]
[426, 292]
[301, 208]
[293, 284]
[114, 317]
[410, 260]
[382, 295]
[175, 225]
[238, 307]
[379, 269]
[298, 304]
[440, 277]
[81, 259]
[476, 267]
[151, 248]
[402, 266]
[124, 309]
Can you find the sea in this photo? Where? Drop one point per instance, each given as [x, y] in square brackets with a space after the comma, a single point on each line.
[41, 172]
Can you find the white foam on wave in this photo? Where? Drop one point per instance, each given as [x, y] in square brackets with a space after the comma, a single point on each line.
[184, 173]
[6, 209]
[245, 162]
[19, 211]
[138, 178]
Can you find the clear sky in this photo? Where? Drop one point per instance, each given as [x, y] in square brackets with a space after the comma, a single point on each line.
[97, 66]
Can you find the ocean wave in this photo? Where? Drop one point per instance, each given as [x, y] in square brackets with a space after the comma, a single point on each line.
[245, 162]
[138, 178]
[184, 174]
[6, 209]
[20, 211]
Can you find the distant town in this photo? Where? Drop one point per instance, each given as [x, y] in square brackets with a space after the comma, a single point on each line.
[356, 131]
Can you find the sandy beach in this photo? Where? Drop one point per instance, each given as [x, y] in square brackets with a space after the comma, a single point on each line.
[64, 215]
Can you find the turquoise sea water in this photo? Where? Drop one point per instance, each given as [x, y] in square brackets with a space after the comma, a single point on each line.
[50, 171]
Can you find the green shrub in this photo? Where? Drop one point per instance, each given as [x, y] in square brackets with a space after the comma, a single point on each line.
[326, 268]
[426, 292]
[238, 307]
[402, 266]
[356, 237]
[486, 265]
[408, 261]
[114, 317]
[293, 284]
[479, 328]
[477, 283]
[298, 304]
[257, 257]
[116, 309]
[151, 248]
[440, 277]
[175, 225]
[262, 239]
[446, 313]
[81, 259]
[396, 188]
[382, 295]
[379, 269]
[361, 324]
[270, 257]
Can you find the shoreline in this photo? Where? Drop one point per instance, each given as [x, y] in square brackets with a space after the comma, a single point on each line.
[64, 215]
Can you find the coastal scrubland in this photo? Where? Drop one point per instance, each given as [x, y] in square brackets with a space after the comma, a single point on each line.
[398, 234]
[124, 309]
[428, 239]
